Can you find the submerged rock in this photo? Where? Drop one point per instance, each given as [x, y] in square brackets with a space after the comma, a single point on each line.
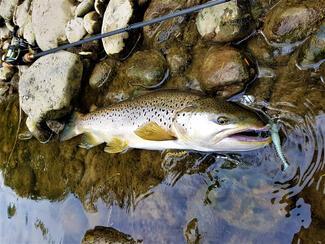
[146, 68]
[48, 86]
[92, 22]
[293, 21]
[117, 15]
[225, 22]
[75, 30]
[167, 31]
[178, 58]
[103, 73]
[224, 70]
[312, 53]
[49, 19]
[107, 235]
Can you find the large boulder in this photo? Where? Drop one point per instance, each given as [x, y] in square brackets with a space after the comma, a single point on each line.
[47, 87]
[49, 19]
[225, 22]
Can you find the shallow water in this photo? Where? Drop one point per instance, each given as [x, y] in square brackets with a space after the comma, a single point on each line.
[54, 193]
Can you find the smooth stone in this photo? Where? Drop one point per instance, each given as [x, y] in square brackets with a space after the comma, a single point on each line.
[92, 22]
[146, 68]
[117, 15]
[84, 7]
[224, 71]
[7, 8]
[290, 22]
[102, 73]
[49, 19]
[75, 30]
[224, 23]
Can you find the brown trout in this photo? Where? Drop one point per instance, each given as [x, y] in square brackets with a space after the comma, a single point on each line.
[170, 119]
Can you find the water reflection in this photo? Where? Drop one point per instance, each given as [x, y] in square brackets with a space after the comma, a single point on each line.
[55, 193]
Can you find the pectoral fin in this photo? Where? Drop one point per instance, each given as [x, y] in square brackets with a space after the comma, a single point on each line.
[89, 140]
[116, 145]
[153, 132]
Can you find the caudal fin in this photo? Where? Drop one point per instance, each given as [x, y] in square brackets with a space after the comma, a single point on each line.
[71, 129]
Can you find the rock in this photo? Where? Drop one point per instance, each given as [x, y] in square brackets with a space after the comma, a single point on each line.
[49, 19]
[84, 7]
[75, 30]
[167, 31]
[225, 22]
[6, 73]
[48, 86]
[224, 70]
[100, 6]
[4, 33]
[312, 53]
[117, 15]
[7, 8]
[102, 73]
[107, 235]
[92, 22]
[146, 68]
[290, 22]
[23, 19]
[261, 51]
[178, 58]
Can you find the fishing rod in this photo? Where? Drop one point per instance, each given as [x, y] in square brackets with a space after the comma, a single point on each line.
[29, 57]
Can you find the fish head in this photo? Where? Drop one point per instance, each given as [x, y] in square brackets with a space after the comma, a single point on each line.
[212, 124]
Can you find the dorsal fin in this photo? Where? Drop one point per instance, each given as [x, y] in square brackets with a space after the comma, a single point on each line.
[153, 132]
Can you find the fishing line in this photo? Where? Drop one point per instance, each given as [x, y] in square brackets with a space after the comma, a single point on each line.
[132, 27]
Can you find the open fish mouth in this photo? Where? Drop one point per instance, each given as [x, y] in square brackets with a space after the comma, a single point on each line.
[252, 135]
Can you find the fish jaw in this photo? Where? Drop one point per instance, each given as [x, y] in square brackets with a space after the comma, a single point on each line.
[244, 139]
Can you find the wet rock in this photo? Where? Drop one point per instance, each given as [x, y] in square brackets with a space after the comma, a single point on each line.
[191, 232]
[100, 6]
[7, 8]
[6, 73]
[117, 15]
[49, 19]
[261, 51]
[260, 7]
[312, 53]
[293, 21]
[167, 31]
[107, 235]
[103, 73]
[23, 19]
[92, 22]
[146, 68]
[48, 86]
[84, 7]
[75, 30]
[224, 70]
[178, 58]
[225, 22]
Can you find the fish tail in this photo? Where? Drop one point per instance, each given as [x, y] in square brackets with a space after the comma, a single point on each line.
[71, 129]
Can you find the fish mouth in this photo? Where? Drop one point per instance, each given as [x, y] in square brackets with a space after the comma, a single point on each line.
[252, 135]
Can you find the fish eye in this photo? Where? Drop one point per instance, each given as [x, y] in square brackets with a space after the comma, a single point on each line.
[222, 120]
